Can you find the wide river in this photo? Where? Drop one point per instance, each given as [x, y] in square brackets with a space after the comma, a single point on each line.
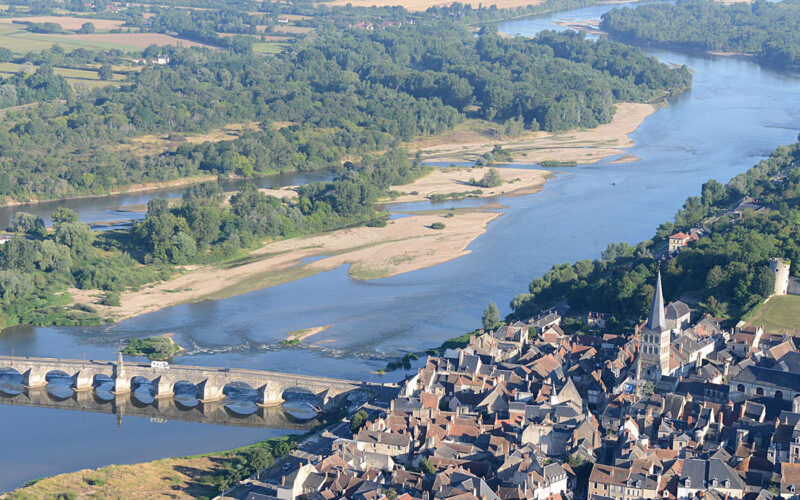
[735, 114]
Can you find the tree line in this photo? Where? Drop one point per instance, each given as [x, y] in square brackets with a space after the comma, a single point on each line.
[330, 97]
[768, 30]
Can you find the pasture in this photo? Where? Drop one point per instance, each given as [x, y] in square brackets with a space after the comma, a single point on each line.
[779, 314]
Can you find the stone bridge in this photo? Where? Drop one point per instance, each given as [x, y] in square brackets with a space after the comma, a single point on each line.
[159, 410]
[210, 381]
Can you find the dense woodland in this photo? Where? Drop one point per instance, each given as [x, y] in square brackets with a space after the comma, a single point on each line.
[727, 272]
[332, 96]
[768, 30]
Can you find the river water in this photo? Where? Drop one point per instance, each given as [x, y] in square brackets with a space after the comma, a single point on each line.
[735, 114]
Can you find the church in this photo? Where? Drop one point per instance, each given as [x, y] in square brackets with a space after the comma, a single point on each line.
[654, 354]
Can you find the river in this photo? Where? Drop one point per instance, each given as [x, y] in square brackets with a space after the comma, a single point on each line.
[735, 114]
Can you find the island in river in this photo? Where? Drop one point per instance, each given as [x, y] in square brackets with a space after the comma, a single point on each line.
[405, 244]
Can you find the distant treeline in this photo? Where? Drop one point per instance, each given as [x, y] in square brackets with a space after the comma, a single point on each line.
[727, 272]
[337, 95]
[768, 30]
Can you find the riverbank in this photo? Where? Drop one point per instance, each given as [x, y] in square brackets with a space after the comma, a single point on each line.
[455, 182]
[133, 188]
[403, 245]
[178, 478]
[474, 138]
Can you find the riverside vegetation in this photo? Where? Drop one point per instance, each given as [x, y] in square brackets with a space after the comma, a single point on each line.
[338, 94]
[768, 30]
[341, 93]
[726, 272]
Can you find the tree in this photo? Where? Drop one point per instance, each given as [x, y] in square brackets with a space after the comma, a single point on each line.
[62, 214]
[259, 459]
[86, 28]
[55, 258]
[105, 73]
[714, 277]
[648, 388]
[491, 317]
[427, 466]
[29, 224]
[75, 235]
[358, 421]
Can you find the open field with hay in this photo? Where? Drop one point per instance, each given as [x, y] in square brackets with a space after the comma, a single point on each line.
[15, 38]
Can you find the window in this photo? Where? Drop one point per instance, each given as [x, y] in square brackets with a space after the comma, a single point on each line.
[759, 391]
[778, 395]
[740, 387]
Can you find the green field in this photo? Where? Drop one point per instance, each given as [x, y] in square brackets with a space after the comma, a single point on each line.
[86, 77]
[779, 314]
[21, 41]
[268, 47]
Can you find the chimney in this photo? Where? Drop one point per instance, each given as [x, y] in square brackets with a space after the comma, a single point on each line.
[283, 480]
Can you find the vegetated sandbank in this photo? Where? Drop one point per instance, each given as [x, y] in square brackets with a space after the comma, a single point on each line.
[456, 182]
[473, 138]
[405, 244]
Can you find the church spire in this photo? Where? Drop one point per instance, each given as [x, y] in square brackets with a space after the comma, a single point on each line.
[657, 321]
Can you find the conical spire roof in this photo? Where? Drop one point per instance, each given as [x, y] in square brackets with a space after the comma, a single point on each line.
[657, 321]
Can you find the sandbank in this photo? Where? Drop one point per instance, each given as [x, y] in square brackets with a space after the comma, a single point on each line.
[445, 181]
[403, 245]
[474, 138]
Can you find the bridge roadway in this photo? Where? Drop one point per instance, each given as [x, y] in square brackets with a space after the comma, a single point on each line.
[159, 410]
[210, 381]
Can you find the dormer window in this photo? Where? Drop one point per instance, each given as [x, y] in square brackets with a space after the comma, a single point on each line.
[688, 483]
[727, 483]
[714, 483]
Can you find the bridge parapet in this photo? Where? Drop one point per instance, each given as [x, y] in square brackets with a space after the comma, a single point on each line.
[210, 381]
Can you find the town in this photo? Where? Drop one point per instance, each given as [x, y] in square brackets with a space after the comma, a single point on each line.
[682, 409]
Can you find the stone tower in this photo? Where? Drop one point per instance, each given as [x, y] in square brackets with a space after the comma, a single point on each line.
[655, 339]
[780, 268]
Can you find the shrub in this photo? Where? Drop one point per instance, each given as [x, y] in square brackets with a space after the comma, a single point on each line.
[437, 225]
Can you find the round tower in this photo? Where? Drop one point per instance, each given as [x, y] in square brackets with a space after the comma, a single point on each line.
[780, 267]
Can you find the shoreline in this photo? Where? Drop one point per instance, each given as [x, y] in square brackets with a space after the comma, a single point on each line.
[474, 138]
[403, 245]
[461, 145]
[454, 183]
[133, 188]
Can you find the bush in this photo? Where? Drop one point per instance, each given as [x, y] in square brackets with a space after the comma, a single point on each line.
[437, 225]
[85, 308]
[111, 299]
